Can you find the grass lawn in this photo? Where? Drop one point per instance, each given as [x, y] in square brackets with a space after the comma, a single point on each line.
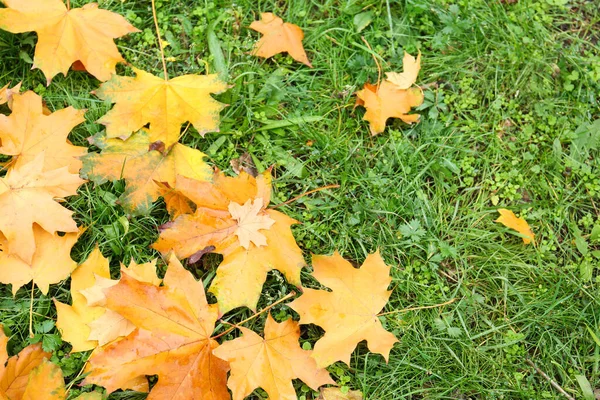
[512, 91]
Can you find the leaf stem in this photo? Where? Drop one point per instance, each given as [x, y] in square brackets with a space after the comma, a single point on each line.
[305, 194]
[418, 308]
[550, 380]
[160, 43]
[289, 295]
[70, 385]
[376, 62]
[31, 335]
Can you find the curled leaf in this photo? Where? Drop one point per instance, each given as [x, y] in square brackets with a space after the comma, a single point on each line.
[510, 220]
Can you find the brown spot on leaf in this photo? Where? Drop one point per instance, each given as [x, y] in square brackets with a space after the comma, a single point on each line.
[158, 146]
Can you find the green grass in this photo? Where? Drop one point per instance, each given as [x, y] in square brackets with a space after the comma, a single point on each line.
[511, 89]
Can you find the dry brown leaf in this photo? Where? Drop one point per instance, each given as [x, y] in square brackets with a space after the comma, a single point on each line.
[348, 313]
[165, 105]
[28, 131]
[172, 340]
[65, 36]
[510, 220]
[143, 167]
[279, 37]
[27, 197]
[388, 101]
[270, 362]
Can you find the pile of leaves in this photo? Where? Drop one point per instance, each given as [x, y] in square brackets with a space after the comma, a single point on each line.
[145, 323]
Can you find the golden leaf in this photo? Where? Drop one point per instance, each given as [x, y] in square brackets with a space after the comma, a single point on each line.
[65, 36]
[270, 362]
[165, 105]
[279, 37]
[510, 220]
[348, 313]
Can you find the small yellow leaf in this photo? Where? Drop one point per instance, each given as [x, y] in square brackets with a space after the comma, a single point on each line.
[510, 220]
[6, 94]
[388, 101]
[251, 219]
[337, 394]
[407, 78]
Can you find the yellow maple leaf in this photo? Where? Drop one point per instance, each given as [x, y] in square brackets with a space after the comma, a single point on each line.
[72, 319]
[250, 222]
[173, 339]
[65, 36]
[143, 165]
[27, 196]
[87, 323]
[337, 394]
[388, 101]
[177, 204]
[244, 269]
[242, 273]
[51, 261]
[279, 37]
[7, 93]
[212, 224]
[510, 220]
[28, 131]
[408, 77]
[165, 105]
[270, 362]
[348, 313]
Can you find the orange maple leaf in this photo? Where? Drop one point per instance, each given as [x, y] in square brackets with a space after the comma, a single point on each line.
[27, 197]
[87, 323]
[27, 132]
[245, 264]
[177, 204]
[65, 36]
[408, 77]
[279, 37]
[348, 313]
[165, 105]
[51, 261]
[72, 320]
[270, 362]
[172, 340]
[388, 101]
[30, 376]
[143, 166]
[510, 220]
